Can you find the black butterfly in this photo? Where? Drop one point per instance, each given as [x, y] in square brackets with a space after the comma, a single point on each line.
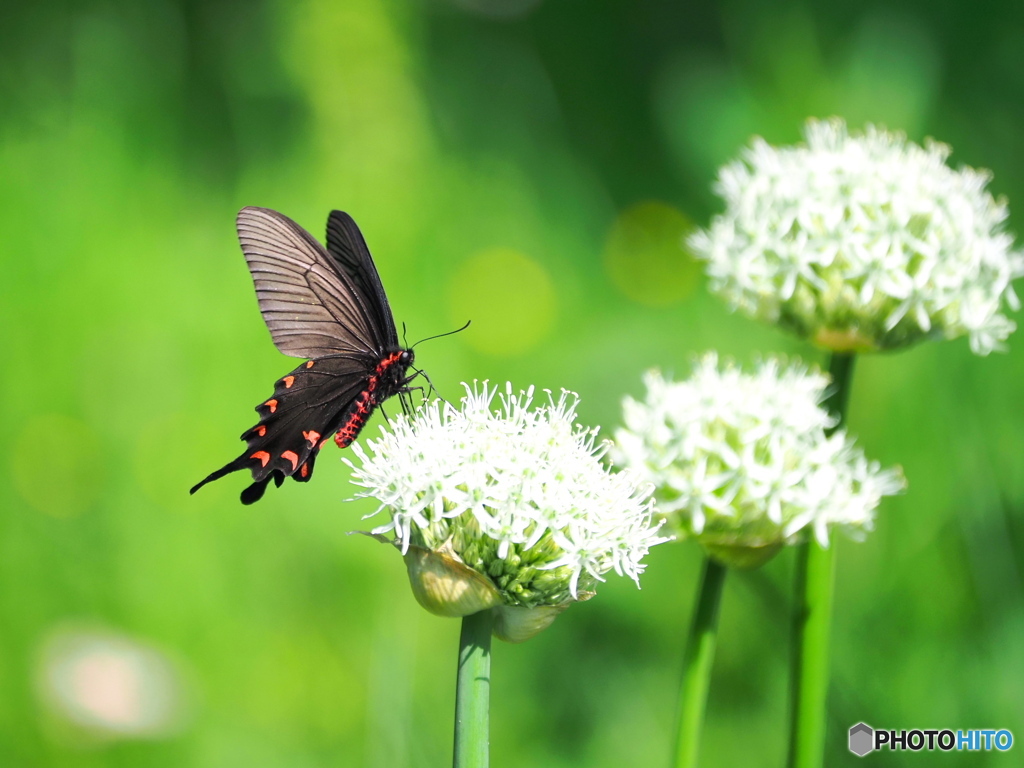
[328, 305]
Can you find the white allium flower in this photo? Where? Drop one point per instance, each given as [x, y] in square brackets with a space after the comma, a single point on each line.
[516, 493]
[862, 242]
[744, 460]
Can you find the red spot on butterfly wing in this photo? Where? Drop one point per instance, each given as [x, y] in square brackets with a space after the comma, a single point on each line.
[309, 364]
[292, 457]
[304, 470]
[272, 405]
[288, 381]
[263, 457]
[312, 435]
[261, 430]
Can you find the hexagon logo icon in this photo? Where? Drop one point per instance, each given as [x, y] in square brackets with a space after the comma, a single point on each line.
[862, 739]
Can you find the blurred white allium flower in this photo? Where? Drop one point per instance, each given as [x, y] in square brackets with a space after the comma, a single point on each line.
[110, 685]
[515, 494]
[862, 242]
[743, 462]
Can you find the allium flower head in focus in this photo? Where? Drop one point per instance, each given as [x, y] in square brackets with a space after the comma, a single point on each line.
[862, 242]
[504, 505]
[744, 462]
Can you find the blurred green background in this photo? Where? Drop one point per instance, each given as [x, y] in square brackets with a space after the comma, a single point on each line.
[529, 165]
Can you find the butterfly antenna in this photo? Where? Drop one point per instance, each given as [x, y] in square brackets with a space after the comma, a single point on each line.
[405, 341]
[441, 335]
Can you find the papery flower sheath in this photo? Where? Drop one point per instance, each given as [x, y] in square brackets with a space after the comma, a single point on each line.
[862, 242]
[743, 462]
[503, 503]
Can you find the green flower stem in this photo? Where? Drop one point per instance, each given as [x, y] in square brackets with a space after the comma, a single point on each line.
[815, 578]
[840, 368]
[697, 662]
[473, 692]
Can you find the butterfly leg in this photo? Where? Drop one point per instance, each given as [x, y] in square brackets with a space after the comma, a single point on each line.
[407, 407]
[431, 389]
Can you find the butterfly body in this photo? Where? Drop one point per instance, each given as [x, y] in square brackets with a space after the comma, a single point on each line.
[388, 378]
[327, 305]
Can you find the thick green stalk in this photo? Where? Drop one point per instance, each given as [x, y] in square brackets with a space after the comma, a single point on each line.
[815, 577]
[840, 368]
[697, 662]
[473, 692]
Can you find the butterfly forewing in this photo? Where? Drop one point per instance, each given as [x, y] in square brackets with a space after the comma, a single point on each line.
[346, 244]
[311, 307]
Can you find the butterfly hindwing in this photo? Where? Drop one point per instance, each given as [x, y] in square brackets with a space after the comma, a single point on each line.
[307, 407]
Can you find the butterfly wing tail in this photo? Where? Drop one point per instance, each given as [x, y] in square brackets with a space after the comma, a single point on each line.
[227, 469]
[254, 492]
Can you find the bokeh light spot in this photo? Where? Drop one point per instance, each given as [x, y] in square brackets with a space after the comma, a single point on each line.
[110, 684]
[55, 465]
[508, 296]
[645, 256]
